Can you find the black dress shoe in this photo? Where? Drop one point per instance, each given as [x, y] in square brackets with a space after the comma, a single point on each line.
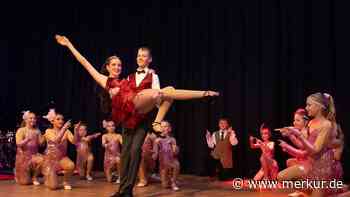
[116, 194]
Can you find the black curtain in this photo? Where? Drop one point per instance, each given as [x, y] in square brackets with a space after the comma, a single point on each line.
[264, 56]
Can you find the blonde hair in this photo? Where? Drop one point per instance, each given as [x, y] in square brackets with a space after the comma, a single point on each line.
[24, 117]
[326, 101]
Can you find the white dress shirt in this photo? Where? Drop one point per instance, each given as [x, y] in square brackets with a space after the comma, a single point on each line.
[233, 139]
[141, 76]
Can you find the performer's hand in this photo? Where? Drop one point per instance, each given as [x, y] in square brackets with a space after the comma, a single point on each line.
[77, 126]
[113, 91]
[30, 135]
[285, 131]
[293, 131]
[151, 71]
[258, 141]
[97, 134]
[62, 40]
[251, 138]
[208, 135]
[67, 125]
[283, 145]
[230, 130]
[156, 140]
[154, 156]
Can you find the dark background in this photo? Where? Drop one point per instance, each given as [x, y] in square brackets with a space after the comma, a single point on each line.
[264, 56]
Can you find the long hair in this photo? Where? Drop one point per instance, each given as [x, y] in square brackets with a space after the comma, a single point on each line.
[327, 102]
[105, 101]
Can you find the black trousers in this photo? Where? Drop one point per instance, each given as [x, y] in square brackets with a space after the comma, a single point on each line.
[217, 170]
[130, 158]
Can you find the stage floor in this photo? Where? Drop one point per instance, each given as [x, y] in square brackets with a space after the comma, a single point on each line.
[189, 185]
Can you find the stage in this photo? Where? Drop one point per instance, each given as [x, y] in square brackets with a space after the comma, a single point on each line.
[189, 186]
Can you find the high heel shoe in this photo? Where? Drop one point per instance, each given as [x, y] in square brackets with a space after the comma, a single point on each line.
[157, 127]
[210, 96]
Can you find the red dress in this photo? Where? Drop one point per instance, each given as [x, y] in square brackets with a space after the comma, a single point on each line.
[123, 108]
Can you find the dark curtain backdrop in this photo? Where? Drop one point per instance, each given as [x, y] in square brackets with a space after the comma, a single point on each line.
[264, 56]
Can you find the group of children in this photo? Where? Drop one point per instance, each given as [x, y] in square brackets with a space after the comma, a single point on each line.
[317, 139]
[316, 150]
[30, 163]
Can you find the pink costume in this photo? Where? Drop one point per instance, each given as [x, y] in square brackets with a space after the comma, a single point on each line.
[268, 163]
[147, 151]
[322, 165]
[26, 150]
[301, 160]
[169, 164]
[54, 153]
[338, 169]
[112, 152]
[83, 148]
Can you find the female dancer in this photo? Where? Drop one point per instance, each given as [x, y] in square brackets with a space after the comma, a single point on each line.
[111, 141]
[166, 149]
[55, 158]
[318, 147]
[28, 139]
[129, 105]
[147, 163]
[300, 122]
[298, 166]
[269, 166]
[85, 158]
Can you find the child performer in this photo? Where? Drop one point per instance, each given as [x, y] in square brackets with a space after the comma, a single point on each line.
[55, 157]
[85, 158]
[111, 141]
[147, 164]
[300, 122]
[269, 166]
[318, 147]
[300, 165]
[221, 142]
[28, 139]
[166, 149]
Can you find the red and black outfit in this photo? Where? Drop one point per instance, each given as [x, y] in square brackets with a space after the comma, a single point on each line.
[134, 132]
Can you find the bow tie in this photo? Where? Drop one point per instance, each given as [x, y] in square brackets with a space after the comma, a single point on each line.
[141, 71]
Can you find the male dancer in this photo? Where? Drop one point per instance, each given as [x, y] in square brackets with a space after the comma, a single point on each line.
[134, 138]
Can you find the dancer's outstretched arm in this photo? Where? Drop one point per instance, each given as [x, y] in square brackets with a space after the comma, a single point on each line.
[320, 142]
[91, 137]
[98, 77]
[293, 151]
[286, 132]
[50, 136]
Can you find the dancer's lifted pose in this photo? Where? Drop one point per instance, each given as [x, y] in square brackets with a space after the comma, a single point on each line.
[129, 105]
